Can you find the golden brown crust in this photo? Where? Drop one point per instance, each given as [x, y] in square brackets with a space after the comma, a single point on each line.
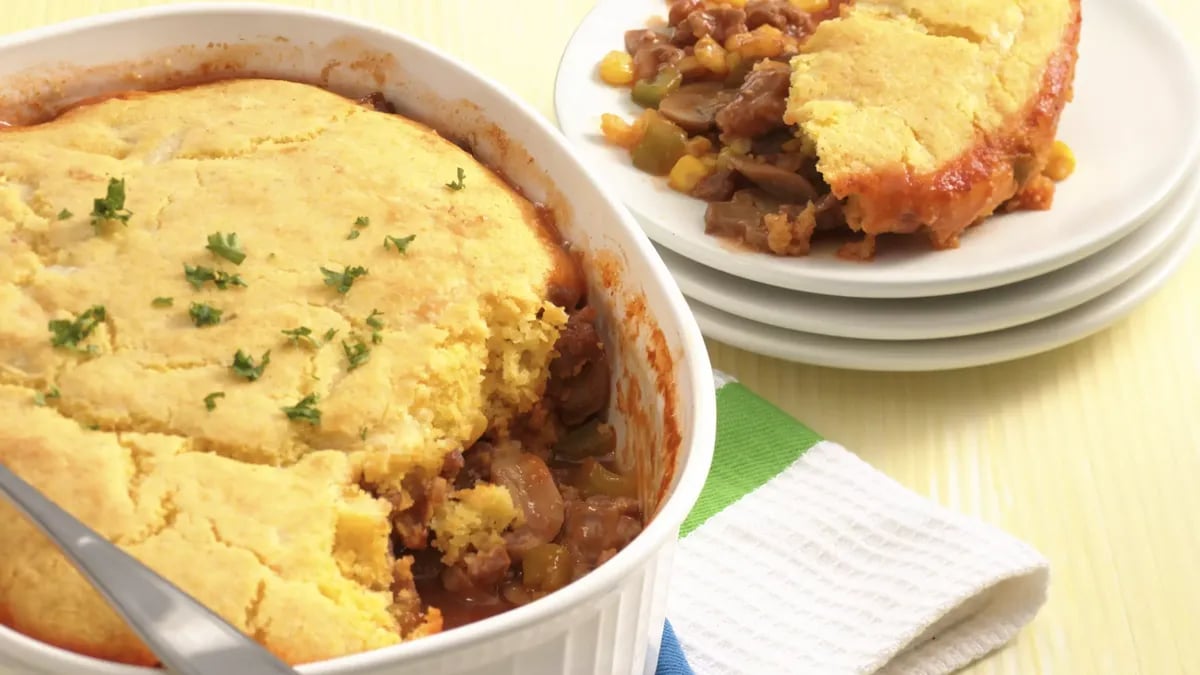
[260, 517]
[973, 186]
[931, 189]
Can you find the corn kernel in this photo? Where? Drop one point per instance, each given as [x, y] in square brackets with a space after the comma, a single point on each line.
[690, 67]
[686, 173]
[766, 41]
[734, 42]
[619, 132]
[1061, 163]
[616, 68]
[712, 56]
[698, 146]
[811, 6]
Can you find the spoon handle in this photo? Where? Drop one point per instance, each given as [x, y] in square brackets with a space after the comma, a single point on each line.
[185, 635]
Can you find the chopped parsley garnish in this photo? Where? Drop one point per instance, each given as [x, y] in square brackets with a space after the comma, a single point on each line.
[163, 302]
[330, 333]
[210, 401]
[362, 433]
[359, 223]
[243, 364]
[304, 410]
[458, 183]
[204, 315]
[226, 246]
[376, 325]
[112, 206]
[343, 280]
[301, 334]
[40, 397]
[64, 214]
[357, 354]
[196, 276]
[66, 333]
[401, 243]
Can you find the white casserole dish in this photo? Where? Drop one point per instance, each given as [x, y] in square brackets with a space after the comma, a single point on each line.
[611, 620]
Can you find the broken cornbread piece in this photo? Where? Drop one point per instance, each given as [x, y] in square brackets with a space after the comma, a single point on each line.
[930, 114]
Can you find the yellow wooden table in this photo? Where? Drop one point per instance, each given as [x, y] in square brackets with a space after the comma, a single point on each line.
[1091, 452]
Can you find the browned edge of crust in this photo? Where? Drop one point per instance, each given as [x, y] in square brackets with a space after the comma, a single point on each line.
[974, 185]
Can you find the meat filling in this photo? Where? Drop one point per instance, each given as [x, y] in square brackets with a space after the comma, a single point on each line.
[558, 464]
[715, 83]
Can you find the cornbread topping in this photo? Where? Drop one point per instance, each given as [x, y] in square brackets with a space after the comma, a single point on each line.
[304, 357]
[800, 117]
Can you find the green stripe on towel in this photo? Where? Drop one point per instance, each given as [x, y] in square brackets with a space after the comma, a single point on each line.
[755, 442]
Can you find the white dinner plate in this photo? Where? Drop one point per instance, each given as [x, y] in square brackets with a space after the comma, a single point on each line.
[948, 315]
[1134, 125]
[950, 353]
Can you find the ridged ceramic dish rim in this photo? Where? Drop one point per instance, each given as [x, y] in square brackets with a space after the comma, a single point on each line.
[942, 316]
[610, 620]
[958, 352]
[1130, 55]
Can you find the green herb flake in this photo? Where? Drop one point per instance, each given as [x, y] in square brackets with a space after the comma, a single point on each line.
[373, 320]
[223, 280]
[357, 353]
[210, 401]
[354, 234]
[243, 364]
[163, 302]
[204, 315]
[303, 334]
[343, 280]
[67, 333]
[305, 410]
[196, 276]
[329, 334]
[362, 221]
[226, 246]
[401, 243]
[112, 206]
[459, 182]
[362, 433]
[377, 337]
[64, 214]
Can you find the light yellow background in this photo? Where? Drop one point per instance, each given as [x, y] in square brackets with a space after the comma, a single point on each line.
[1091, 453]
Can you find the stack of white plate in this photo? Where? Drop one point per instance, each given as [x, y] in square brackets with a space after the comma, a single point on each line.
[1018, 284]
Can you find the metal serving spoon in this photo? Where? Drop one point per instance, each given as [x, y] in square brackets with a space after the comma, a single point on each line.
[186, 636]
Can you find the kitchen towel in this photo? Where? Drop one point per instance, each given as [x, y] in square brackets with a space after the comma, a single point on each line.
[801, 558]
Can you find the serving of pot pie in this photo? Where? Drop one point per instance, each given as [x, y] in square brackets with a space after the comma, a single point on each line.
[304, 357]
[794, 118]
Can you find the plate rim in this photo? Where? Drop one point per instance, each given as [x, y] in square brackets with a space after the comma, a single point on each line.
[995, 347]
[865, 326]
